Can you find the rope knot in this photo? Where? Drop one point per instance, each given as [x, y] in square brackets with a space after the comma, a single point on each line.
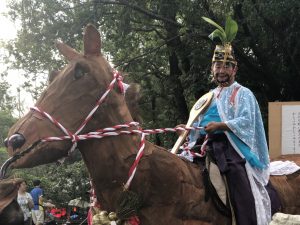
[74, 138]
[119, 79]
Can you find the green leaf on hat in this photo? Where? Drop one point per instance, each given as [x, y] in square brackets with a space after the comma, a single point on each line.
[227, 35]
[213, 23]
[219, 34]
[231, 29]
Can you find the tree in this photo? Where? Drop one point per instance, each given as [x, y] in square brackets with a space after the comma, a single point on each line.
[6, 121]
[6, 101]
[61, 182]
[3, 155]
[6, 109]
[163, 45]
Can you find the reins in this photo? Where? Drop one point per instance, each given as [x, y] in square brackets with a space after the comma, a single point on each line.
[12, 159]
[74, 136]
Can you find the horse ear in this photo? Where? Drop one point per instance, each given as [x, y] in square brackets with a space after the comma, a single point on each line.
[52, 75]
[92, 41]
[68, 52]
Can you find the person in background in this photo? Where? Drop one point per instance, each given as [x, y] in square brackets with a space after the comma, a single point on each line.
[26, 202]
[38, 214]
[49, 217]
[37, 196]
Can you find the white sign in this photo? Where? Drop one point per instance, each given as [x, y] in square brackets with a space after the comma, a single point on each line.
[290, 131]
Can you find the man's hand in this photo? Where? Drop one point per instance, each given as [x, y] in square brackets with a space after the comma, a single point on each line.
[180, 132]
[213, 126]
[49, 205]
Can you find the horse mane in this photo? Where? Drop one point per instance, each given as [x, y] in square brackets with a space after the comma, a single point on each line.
[132, 97]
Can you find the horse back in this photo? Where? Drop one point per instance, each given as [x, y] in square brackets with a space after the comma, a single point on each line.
[288, 187]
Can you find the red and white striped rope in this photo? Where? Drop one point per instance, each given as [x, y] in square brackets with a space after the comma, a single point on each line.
[74, 136]
[116, 127]
[202, 149]
[106, 132]
[110, 131]
[118, 78]
[136, 162]
[93, 197]
[97, 134]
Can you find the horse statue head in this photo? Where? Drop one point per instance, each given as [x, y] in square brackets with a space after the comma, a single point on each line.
[71, 95]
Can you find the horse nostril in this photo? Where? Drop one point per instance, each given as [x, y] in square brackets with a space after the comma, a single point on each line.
[16, 141]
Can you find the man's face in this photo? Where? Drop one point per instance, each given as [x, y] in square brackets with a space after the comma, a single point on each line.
[224, 73]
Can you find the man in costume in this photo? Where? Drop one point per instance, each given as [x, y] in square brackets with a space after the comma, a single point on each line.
[236, 137]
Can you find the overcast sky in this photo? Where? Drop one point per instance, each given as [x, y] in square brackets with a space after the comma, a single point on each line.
[8, 32]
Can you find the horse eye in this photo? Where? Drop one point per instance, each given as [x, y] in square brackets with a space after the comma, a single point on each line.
[79, 72]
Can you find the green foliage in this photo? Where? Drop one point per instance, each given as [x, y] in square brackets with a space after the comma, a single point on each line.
[6, 109]
[61, 183]
[6, 121]
[6, 100]
[3, 155]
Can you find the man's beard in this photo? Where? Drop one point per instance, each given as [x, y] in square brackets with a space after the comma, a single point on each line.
[223, 80]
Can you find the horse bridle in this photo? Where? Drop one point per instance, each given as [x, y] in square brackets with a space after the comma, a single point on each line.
[75, 137]
[111, 131]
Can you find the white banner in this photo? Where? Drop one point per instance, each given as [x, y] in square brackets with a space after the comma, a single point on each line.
[290, 131]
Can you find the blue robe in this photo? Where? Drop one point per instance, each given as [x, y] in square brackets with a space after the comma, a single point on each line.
[212, 115]
[241, 113]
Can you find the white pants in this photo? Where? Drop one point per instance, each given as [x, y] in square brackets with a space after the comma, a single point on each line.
[38, 217]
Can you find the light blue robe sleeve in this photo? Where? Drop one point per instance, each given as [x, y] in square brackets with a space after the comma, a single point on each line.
[246, 123]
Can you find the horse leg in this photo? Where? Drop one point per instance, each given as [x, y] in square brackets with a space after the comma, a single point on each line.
[274, 197]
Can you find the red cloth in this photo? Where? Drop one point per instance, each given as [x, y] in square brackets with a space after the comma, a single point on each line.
[58, 213]
[134, 220]
[90, 217]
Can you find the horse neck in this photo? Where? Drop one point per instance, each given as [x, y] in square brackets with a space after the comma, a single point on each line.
[110, 158]
[108, 162]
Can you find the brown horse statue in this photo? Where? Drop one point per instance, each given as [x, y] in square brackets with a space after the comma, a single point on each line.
[10, 211]
[171, 190]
